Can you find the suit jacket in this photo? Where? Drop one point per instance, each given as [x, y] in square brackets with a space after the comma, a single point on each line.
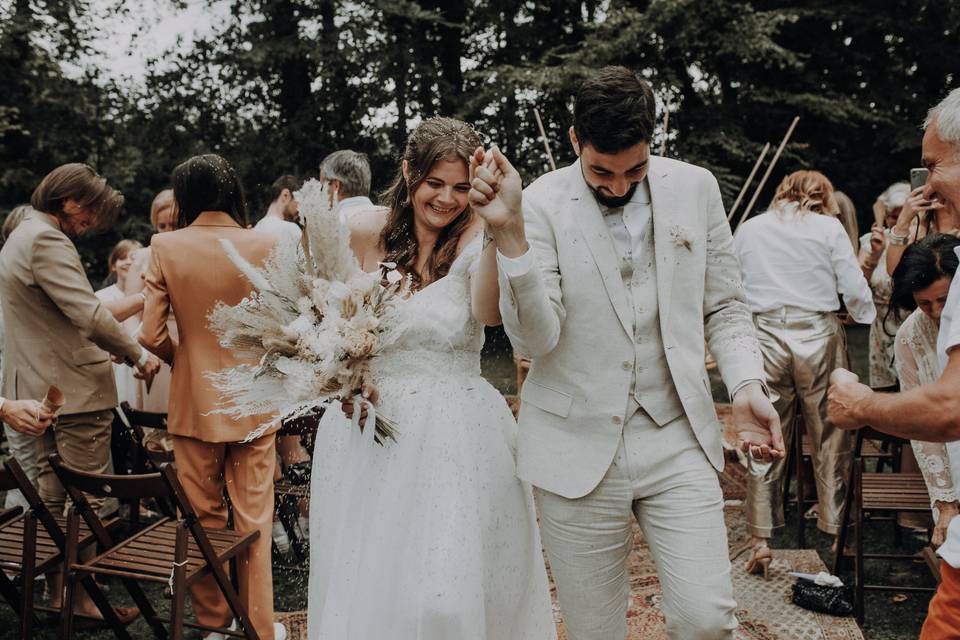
[189, 273]
[57, 331]
[573, 317]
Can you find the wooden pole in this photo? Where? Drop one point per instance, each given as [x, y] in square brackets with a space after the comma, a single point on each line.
[543, 136]
[743, 190]
[773, 163]
[666, 129]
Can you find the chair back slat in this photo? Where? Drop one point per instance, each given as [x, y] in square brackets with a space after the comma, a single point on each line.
[148, 485]
[143, 419]
[7, 481]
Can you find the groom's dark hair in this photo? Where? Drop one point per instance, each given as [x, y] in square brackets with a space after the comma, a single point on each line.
[614, 110]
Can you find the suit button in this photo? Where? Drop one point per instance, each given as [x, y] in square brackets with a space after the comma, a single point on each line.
[617, 420]
[626, 365]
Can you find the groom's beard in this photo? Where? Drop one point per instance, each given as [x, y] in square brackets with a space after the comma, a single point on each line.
[610, 201]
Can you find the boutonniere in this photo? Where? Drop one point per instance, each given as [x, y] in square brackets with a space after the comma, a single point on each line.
[681, 237]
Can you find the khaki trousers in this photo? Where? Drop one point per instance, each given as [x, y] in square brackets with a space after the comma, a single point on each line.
[205, 469]
[661, 477]
[800, 349]
[83, 441]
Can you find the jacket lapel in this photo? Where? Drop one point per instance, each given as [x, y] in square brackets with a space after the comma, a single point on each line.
[664, 214]
[589, 221]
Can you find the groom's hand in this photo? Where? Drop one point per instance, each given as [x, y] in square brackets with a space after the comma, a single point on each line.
[496, 195]
[757, 423]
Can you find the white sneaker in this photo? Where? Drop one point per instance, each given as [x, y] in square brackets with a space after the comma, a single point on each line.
[279, 632]
[280, 538]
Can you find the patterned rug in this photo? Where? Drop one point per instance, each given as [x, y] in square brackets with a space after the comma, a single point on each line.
[763, 607]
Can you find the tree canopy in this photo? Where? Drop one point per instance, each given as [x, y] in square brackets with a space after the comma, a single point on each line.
[282, 83]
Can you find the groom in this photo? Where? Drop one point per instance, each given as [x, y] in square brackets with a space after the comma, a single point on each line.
[612, 272]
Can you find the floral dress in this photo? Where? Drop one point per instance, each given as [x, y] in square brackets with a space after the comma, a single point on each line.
[885, 325]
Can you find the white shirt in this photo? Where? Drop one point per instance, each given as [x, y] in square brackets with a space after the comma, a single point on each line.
[801, 260]
[949, 335]
[278, 228]
[626, 224]
[355, 204]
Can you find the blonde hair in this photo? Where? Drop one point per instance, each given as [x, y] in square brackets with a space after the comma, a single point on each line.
[892, 198]
[847, 214]
[122, 250]
[161, 201]
[13, 220]
[809, 190]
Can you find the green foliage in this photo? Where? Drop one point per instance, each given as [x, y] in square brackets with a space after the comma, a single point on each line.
[283, 83]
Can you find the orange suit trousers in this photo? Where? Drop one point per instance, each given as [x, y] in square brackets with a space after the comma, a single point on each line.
[246, 471]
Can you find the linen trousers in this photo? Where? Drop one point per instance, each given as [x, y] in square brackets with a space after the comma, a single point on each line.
[800, 349]
[83, 441]
[26, 451]
[205, 469]
[661, 477]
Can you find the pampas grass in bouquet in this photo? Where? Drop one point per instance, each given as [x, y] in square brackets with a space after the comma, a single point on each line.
[313, 322]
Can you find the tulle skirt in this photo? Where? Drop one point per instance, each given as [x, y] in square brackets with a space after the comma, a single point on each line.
[431, 537]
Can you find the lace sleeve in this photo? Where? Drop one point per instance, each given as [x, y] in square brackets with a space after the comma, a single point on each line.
[931, 456]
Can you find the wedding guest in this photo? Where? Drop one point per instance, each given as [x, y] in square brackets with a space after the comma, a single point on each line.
[64, 334]
[918, 217]
[347, 174]
[847, 215]
[279, 222]
[920, 284]
[189, 273]
[163, 217]
[23, 446]
[120, 262]
[796, 264]
[163, 211]
[929, 412]
[282, 214]
[874, 248]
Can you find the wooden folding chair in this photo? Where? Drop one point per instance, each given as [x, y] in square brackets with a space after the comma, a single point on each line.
[878, 493]
[173, 551]
[287, 495]
[27, 550]
[145, 460]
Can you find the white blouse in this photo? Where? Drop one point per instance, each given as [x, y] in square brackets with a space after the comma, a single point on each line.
[803, 260]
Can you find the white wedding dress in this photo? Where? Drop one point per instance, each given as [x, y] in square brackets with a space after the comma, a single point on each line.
[431, 537]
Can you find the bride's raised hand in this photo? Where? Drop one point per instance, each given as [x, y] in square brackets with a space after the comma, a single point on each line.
[495, 189]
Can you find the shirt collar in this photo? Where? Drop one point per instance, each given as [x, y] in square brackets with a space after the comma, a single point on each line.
[355, 201]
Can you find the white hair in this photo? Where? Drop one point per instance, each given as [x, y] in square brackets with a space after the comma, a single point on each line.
[894, 196]
[947, 117]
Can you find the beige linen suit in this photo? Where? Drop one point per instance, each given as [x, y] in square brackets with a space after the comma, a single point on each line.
[59, 333]
[617, 419]
[189, 273]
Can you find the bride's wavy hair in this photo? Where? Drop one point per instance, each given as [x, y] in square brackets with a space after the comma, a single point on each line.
[434, 140]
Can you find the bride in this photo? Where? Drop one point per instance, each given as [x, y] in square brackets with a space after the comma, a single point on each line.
[430, 537]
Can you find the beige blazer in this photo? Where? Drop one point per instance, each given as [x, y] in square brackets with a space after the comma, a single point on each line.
[573, 317]
[57, 332]
[189, 273]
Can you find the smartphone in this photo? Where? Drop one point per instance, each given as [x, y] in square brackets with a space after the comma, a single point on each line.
[918, 178]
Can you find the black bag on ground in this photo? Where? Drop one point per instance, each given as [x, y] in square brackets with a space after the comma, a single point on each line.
[837, 601]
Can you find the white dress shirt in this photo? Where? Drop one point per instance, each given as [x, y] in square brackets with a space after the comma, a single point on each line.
[947, 339]
[278, 228]
[626, 224]
[801, 259]
[349, 206]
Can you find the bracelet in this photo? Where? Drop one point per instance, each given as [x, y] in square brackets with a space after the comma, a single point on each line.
[2, 401]
[896, 238]
[144, 296]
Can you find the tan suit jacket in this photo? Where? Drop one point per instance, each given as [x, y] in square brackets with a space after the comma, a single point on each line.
[57, 331]
[189, 273]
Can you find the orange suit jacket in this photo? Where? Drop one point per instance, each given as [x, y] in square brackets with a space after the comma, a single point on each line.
[188, 274]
